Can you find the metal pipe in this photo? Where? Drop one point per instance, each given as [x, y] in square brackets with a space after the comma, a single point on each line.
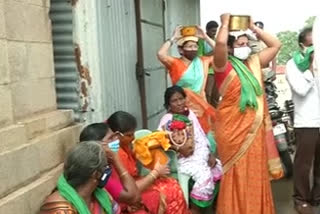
[139, 66]
[164, 7]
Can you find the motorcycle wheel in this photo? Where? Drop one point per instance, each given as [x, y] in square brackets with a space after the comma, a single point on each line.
[286, 163]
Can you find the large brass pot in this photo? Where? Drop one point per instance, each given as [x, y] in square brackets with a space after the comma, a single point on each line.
[188, 31]
[239, 22]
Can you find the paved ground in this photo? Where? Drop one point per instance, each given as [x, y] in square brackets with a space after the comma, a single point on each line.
[282, 193]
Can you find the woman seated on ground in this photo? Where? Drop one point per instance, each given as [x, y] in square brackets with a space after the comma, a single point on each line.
[121, 185]
[194, 157]
[125, 124]
[80, 187]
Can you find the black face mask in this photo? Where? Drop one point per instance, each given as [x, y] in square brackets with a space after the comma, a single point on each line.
[190, 55]
[105, 177]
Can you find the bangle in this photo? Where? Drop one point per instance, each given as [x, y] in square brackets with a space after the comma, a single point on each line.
[123, 174]
[153, 176]
[171, 41]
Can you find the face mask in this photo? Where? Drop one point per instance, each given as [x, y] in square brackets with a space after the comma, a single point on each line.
[114, 145]
[305, 49]
[190, 55]
[242, 53]
[105, 177]
[304, 60]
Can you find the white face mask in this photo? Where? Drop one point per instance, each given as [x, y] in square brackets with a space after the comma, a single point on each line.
[242, 52]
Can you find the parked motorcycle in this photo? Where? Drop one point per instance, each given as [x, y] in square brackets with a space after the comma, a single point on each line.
[287, 118]
[285, 151]
[282, 126]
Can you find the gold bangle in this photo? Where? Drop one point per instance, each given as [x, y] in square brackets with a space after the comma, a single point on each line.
[123, 174]
[153, 176]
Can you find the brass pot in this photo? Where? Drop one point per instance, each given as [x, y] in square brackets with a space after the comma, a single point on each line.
[188, 31]
[239, 22]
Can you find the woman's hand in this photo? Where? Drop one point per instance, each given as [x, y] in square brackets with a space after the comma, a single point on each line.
[201, 33]
[134, 208]
[176, 33]
[212, 161]
[225, 18]
[111, 156]
[252, 27]
[220, 58]
[162, 169]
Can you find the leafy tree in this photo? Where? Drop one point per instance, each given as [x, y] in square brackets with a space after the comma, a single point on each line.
[309, 22]
[289, 45]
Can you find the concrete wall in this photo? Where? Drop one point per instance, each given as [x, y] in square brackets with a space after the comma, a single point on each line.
[181, 12]
[34, 135]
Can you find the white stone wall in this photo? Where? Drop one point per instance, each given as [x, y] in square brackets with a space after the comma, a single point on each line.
[34, 135]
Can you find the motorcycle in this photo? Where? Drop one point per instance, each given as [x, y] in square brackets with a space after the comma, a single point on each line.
[285, 151]
[282, 127]
[290, 134]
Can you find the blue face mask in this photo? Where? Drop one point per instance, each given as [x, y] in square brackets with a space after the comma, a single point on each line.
[114, 145]
[105, 177]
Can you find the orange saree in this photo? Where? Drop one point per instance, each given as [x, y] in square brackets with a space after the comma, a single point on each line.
[167, 187]
[181, 74]
[248, 160]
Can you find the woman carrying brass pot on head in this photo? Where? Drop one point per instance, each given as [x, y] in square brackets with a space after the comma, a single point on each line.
[190, 72]
[243, 127]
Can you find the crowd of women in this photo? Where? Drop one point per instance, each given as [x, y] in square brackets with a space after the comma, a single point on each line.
[101, 174]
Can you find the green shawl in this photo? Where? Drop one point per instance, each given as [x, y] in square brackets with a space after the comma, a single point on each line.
[250, 87]
[71, 195]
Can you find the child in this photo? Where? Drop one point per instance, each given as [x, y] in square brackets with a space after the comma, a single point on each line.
[192, 145]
